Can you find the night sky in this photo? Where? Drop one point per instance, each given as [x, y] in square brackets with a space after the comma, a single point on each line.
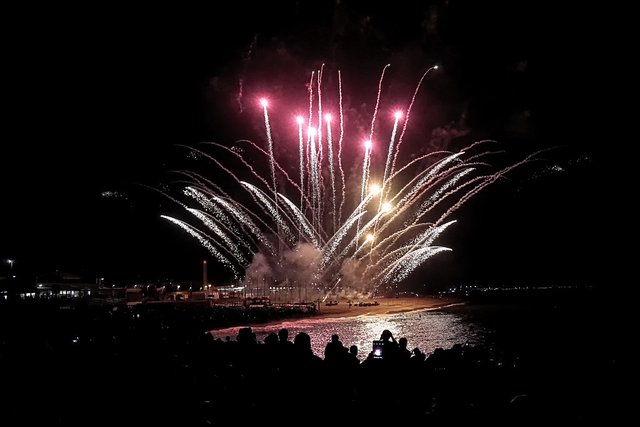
[95, 101]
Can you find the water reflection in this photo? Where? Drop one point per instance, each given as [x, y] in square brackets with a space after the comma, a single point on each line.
[425, 329]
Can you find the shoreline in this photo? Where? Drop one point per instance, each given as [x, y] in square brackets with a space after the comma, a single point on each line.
[386, 306]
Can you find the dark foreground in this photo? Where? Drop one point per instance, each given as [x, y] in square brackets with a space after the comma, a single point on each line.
[97, 366]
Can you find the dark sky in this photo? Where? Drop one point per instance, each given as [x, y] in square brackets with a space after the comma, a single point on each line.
[95, 100]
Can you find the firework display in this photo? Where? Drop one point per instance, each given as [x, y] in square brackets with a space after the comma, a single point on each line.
[303, 226]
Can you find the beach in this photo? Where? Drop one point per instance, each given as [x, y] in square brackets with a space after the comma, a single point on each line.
[361, 324]
[384, 306]
[377, 307]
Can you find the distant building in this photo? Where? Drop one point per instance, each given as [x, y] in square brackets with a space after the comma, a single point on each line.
[55, 285]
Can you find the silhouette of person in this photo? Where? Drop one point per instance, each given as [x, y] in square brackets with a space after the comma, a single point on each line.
[403, 352]
[283, 336]
[334, 351]
[353, 356]
[391, 347]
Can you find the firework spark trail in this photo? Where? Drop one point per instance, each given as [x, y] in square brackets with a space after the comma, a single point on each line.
[387, 165]
[331, 171]
[405, 265]
[300, 120]
[331, 289]
[320, 151]
[200, 181]
[365, 228]
[337, 238]
[229, 222]
[373, 119]
[315, 185]
[272, 161]
[272, 207]
[304, 223]
[339, 235]
[440, 191]
[249, 167]
[419, 183]
[207, 156]
[375, 110]
[434, 201]
[204, 241]
[221, 166]
[217, 206]
[320, 154]
[340, 147]
[383, 243]
[424, 239]
[245, 61]
[429, 236]
[406, 119]
[366, 162]
[211, 200]
[493, 178]
[434, 171]
[164, 194]
[277, 165]
[218, 213]
[488, 180]
[308, 149]
[413, 162]
[415, 184]
[474, 183]
[416, 178]
[478, 143]
[231, 246]
[384, 258]
[371, 239]
[365, 170]
[483, 182]
[239, 157]
[395, 236]
[421, 242]
[431, 173]
[238, 213]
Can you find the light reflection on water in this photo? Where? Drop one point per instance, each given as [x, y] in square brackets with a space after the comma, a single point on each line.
[425, 329]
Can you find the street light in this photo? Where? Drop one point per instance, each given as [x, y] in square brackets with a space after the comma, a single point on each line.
[11, 261]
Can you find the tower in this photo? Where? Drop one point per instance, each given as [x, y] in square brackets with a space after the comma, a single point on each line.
[204, 275]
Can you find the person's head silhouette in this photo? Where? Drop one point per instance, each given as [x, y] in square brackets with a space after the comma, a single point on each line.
[386, 335]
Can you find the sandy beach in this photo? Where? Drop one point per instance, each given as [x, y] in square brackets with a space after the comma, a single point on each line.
[315, 324]
[385, 306]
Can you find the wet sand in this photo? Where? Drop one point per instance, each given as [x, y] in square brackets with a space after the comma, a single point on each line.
[386, 306]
